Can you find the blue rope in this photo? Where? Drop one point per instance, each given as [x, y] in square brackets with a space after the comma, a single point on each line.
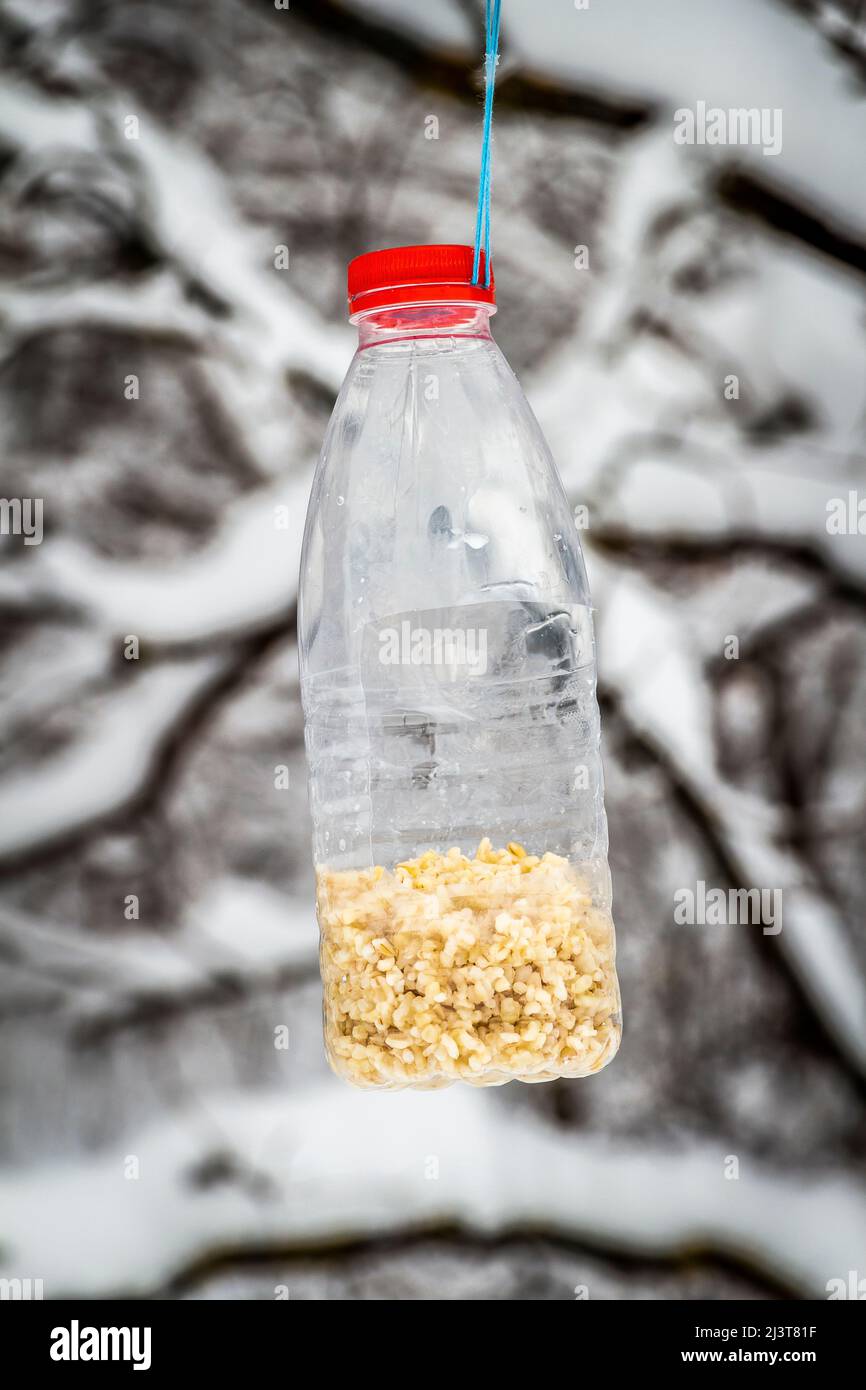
[482, 219]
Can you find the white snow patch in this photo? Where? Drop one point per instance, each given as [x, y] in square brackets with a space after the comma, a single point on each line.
[102, 770]
[90, 1232]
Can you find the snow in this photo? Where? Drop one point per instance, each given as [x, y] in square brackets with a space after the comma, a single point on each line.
[641, 429]
[245, 578]
[242, 919]
[643, 434]
[32, 123]
[198, 225]
[103, 770]
[649, 660]
[495, 1173]
[741, 54]
[240, 927]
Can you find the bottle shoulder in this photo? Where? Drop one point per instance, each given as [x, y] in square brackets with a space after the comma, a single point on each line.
[435, 488]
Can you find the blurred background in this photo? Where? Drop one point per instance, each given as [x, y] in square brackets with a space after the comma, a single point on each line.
[181, 186]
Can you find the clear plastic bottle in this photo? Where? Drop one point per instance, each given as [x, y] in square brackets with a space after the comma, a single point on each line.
[452, 727]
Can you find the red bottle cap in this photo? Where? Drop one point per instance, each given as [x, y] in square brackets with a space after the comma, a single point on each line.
[416, 275]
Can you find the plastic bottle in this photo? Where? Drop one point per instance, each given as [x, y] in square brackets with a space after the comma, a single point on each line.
[452, 728]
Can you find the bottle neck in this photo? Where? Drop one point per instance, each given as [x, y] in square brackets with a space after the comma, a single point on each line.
[392, 325]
